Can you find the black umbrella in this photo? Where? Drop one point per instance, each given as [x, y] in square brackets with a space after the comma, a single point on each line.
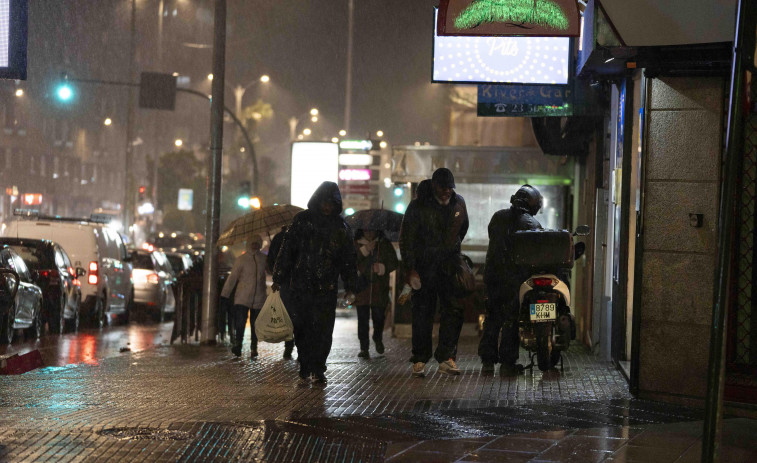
[383, 220]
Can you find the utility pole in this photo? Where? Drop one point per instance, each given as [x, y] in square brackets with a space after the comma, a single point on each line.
[128, 158]
[348, 84]
[213, 209]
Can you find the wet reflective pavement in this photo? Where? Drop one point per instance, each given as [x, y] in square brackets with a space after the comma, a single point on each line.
[155, 402]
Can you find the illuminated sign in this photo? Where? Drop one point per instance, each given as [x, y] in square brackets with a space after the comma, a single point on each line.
[546, 18]
[355, 174]
[363, 145]
[13, 33]
[312, 164]
[355, 159]
[524, 100]
[510, 60]
[185, 199]
[32, 199]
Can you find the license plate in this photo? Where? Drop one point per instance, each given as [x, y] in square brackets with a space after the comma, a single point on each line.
[542, 312]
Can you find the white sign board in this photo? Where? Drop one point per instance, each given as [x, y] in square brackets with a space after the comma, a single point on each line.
[312, 164]
[5, 19]
[185, 199]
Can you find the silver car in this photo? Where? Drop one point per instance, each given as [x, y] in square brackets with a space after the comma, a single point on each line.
[154, 282]
[20, 298]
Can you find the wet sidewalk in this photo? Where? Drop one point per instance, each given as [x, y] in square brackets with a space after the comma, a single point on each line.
[190, 403]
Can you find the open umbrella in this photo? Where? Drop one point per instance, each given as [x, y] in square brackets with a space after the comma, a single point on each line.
[383, 220]
[261, 221]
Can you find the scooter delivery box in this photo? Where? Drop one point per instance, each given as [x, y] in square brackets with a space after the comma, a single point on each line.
[542, 249]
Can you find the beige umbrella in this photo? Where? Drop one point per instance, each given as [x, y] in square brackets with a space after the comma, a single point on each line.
[263, 221]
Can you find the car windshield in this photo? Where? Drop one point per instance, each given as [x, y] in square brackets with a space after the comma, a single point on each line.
[143, 261]
[35, 257]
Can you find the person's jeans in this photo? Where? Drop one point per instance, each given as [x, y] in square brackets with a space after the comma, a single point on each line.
[364, 312]
[501, 315]
[450, 323]
[240, 321]
[313, 316]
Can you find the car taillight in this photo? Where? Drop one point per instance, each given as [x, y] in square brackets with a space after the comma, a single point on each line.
[542, 282]
[153, 278]
[93, 276]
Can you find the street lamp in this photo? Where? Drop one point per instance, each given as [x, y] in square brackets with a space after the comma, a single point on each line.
[380, 133]
[20, 92]
[342, 133]
[107, 121]
[178, 142]
[239, 92]
[294, 122]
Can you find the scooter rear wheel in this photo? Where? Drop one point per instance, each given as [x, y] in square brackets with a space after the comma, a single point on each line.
[544, 346]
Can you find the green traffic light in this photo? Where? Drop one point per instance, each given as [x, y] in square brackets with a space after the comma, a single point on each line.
[64, 92]
[243, 202]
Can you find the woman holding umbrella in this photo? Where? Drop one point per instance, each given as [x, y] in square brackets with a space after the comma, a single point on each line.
[376, 259]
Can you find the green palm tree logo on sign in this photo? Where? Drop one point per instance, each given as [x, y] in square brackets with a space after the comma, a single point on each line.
[518, 13]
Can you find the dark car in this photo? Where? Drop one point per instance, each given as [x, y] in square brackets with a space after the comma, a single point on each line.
[54, 274]
[180, 261]
[21, 308]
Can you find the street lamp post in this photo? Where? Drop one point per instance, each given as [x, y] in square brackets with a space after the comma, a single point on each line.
[295, 121]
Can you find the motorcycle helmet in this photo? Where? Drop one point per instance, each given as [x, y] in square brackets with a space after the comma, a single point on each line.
[527, 198]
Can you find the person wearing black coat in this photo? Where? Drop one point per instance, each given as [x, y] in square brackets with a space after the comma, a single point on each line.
[433, 229]
[503, 281]
[270, 263]
[317, 250]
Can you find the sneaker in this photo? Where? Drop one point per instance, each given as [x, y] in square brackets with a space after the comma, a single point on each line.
[287, 353]
[364, 354]
[319, 378]
[304, 378]
[419, 369]
[237, 351]
[487, 368]
[448, 367]
[253, 353]
[510, 370]
[379, 347]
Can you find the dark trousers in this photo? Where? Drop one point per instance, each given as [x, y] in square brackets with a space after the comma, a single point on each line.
[378, 315]
[240, 321]
[313, 316]
[450, 323]
[501, 315]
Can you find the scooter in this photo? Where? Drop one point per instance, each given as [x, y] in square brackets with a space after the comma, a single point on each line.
[546, 325]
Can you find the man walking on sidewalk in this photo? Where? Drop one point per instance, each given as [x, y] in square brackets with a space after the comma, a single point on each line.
[433, 229]
[317, 250]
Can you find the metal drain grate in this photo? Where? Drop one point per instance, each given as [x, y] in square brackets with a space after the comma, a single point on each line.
[145, 434]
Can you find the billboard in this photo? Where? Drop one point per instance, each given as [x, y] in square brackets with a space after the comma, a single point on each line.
[13, 31]
[312, 164]
[505, 60]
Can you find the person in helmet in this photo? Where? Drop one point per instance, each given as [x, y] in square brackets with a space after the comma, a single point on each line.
[502, 282]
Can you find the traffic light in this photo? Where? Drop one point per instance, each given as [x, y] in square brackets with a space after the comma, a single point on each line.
[243, 200]
[64, 92]
[142, 190]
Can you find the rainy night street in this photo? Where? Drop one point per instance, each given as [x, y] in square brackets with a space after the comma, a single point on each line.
[94, 400]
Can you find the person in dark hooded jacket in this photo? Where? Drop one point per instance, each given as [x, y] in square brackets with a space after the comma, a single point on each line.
[317, 250]
[433, 229]
[503, 281]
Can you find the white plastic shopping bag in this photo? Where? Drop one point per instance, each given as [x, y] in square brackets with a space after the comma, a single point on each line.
[273, 323]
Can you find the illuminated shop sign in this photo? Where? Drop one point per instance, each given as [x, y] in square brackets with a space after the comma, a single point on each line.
[355, 159]
[511, 60]
[312, 164]
[355, 174]
[548, 18]
[13, 36]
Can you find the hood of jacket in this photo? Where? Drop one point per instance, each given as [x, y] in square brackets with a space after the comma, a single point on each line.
[328, 191]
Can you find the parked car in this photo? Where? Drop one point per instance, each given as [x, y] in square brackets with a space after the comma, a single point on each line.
[56, 277]
[20, 298]
[180, 261]
[107, 289]
[154, 283]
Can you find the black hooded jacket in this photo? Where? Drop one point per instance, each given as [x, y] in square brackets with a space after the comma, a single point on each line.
[503, 223]
[431, 233]
[317, 249]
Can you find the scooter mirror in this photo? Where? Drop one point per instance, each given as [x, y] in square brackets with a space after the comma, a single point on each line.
[582, 230]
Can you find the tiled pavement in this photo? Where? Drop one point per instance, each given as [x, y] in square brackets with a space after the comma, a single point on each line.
[190, 403]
